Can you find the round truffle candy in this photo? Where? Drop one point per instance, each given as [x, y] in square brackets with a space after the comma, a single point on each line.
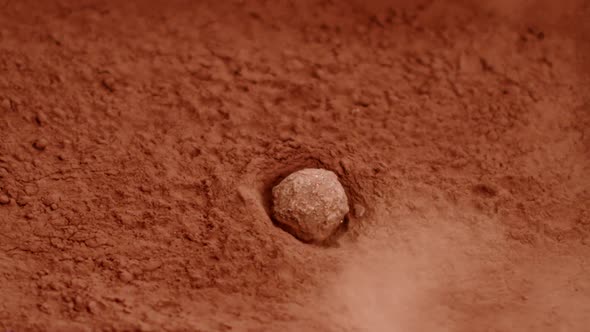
[311, 203]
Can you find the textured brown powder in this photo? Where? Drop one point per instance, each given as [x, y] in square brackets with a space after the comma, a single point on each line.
[140, 142]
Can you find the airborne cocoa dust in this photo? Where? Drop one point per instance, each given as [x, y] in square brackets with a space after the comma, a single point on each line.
[139, 141]
[422, 276]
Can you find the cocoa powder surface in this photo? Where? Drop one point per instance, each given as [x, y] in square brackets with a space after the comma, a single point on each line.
[139, 142]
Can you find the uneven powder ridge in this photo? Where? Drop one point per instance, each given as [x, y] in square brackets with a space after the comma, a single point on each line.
[311, 203]
[140, 141]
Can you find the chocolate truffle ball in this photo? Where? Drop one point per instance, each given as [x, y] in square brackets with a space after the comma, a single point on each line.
[311, 203]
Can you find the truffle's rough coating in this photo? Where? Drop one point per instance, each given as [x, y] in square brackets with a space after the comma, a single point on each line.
[311, 203]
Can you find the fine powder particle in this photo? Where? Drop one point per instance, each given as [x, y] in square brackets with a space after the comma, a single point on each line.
[40, 144]
[311, 203]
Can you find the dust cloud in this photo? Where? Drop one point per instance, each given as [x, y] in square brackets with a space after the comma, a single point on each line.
[450, 272]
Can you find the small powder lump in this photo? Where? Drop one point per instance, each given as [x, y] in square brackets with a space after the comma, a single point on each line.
[311, 203]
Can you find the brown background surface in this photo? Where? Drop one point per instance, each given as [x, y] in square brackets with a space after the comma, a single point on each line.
[139, 141]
